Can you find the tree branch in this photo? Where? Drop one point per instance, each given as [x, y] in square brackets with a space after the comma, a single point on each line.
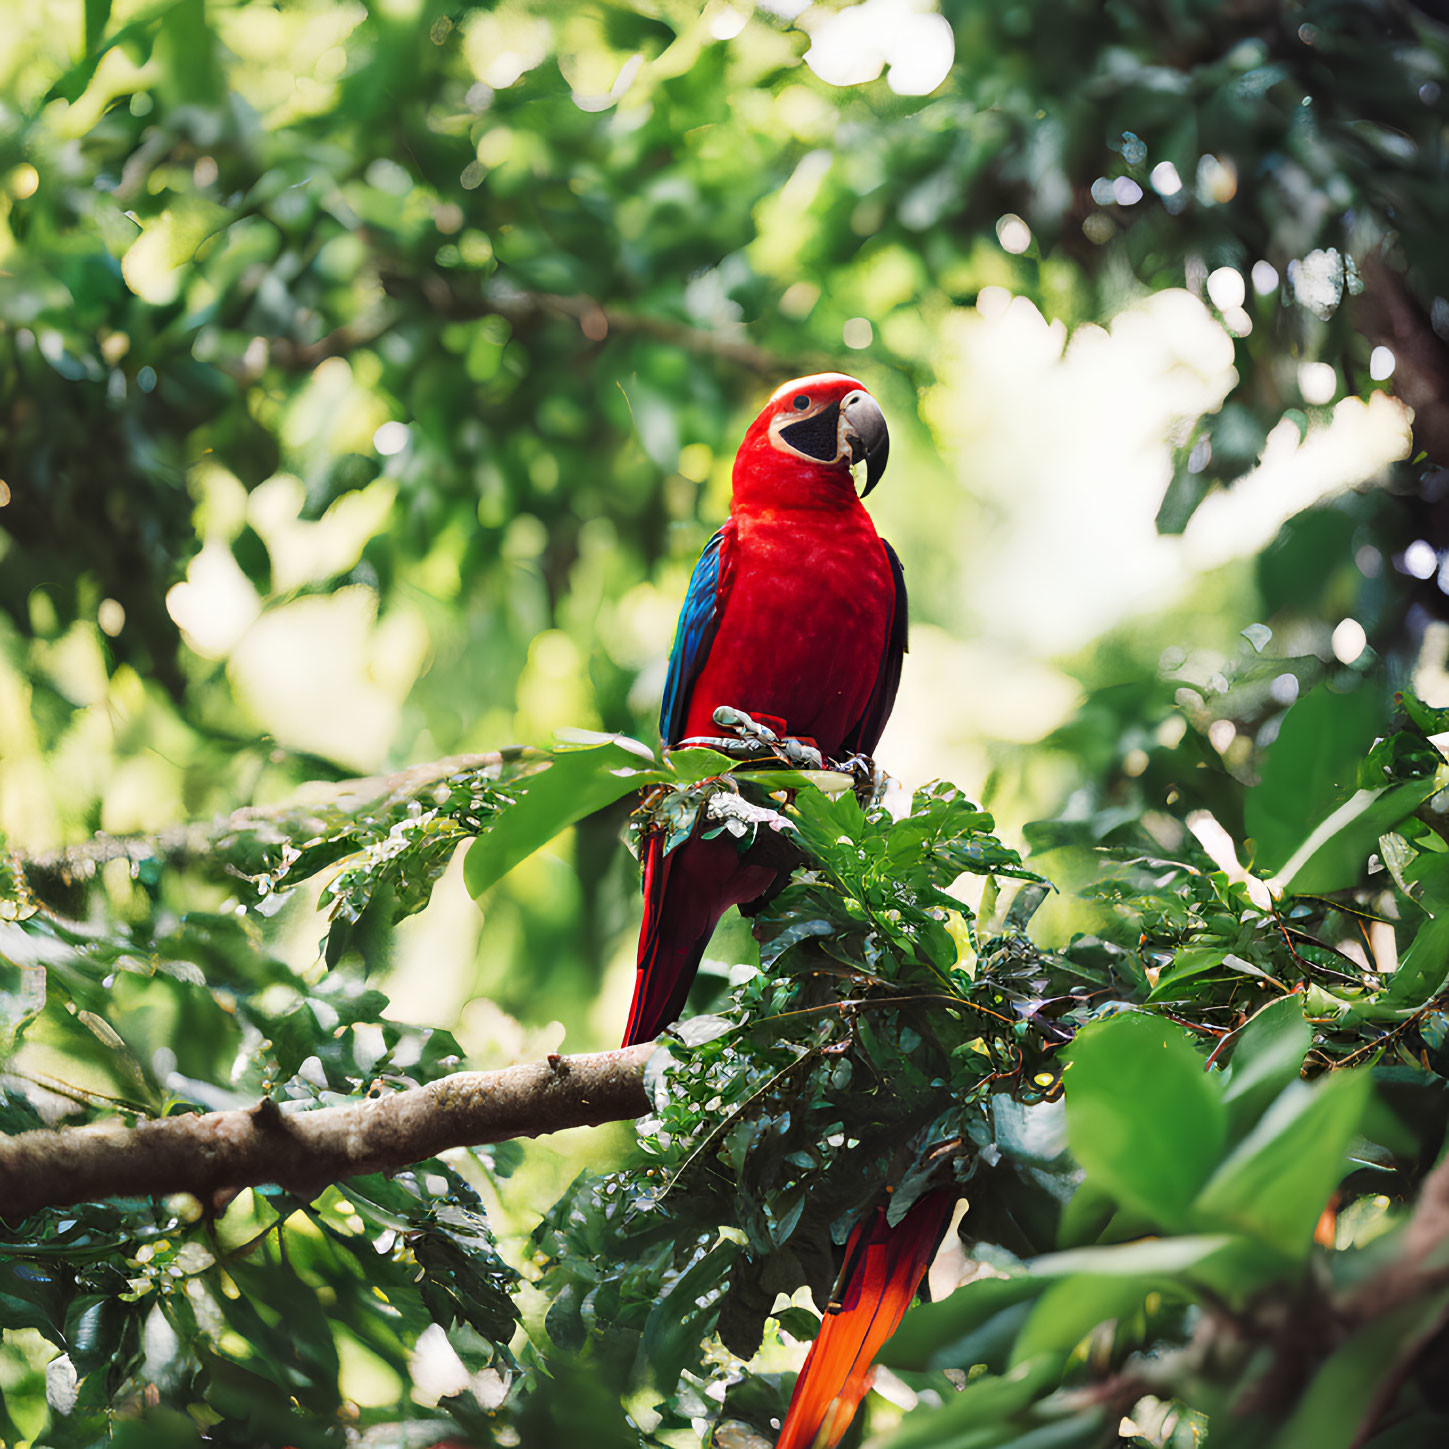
[523, 308]
[1388, 314]
[294, 819]
[304, 1151]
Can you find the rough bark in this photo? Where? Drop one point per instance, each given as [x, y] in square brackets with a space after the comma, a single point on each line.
[303, 1151]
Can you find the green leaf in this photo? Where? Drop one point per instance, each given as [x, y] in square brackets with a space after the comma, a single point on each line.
[1069, 1310]
[689, 767]
[151, 266]
[1189, 962]
[1423, 967]
[989, 1399]
[572, 785]
[1276, 1183]
[1332, 857]
[1430, 720]
[157, 1428]
[1143, 1117]
[98, 12]
[1035, 1133]
[1267, 1057]
[1144, 1258]
[1426, 878]
[33, 1295]
[1310, 767]
[931, 1333]
[828, 782]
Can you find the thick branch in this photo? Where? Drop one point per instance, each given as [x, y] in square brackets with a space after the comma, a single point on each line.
[304, 1151]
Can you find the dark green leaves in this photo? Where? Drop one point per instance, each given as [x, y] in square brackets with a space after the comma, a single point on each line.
[1267, 1055]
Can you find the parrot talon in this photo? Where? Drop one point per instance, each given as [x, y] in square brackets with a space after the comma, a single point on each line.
[728, 745]
[756, 739]
[866, 777]
[746, 726]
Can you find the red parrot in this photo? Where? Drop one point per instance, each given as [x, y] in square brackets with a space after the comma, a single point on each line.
[796, 614]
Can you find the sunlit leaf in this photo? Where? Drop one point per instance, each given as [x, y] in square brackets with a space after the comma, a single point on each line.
[572, 785]
[1143, 1117]
[1277, 1181]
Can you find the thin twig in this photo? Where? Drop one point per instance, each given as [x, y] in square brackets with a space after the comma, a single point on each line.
[189, 842]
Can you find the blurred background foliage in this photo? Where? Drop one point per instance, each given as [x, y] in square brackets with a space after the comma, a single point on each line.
[370, 376]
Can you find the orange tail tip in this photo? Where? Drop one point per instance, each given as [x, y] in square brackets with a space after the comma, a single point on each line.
[886, 1265]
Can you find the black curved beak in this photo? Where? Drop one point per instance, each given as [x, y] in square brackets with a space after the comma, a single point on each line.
[864, 432]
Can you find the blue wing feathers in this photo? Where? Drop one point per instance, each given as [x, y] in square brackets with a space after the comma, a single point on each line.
[698, 622]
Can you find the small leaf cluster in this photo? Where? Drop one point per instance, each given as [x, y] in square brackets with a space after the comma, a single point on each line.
[1149, 1179]
[237, 1313]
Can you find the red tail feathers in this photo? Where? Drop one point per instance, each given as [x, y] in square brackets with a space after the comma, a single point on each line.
[664, 960]
[685, 894]
[884, 1268]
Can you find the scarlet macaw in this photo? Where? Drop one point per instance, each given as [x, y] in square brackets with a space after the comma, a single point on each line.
[796, 614]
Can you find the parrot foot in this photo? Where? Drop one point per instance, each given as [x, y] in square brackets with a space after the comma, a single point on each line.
[866, 777]
[760, 736]
[770, 730]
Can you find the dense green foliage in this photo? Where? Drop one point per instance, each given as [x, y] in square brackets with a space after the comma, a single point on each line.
[891, 1036]
[369, 376]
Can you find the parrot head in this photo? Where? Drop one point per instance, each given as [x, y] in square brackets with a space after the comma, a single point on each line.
[828, 420]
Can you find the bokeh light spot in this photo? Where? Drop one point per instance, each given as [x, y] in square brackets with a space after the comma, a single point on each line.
[1317, 280]
[992, 302]
[852, 46]
[391, 438]
[1217, 179]
[111, 616]
[1349, 641]
[1420, 560]
[1318, 382]
[1165, 180]
[1225, 287]
[1265, 278]
[1381, 364]
[1284, 688]
[798, 300]
[727, 22]
[857, 333]
[1013, 234]
[1126, 192]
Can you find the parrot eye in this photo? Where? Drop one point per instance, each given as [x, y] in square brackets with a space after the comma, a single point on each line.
[801, 403]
